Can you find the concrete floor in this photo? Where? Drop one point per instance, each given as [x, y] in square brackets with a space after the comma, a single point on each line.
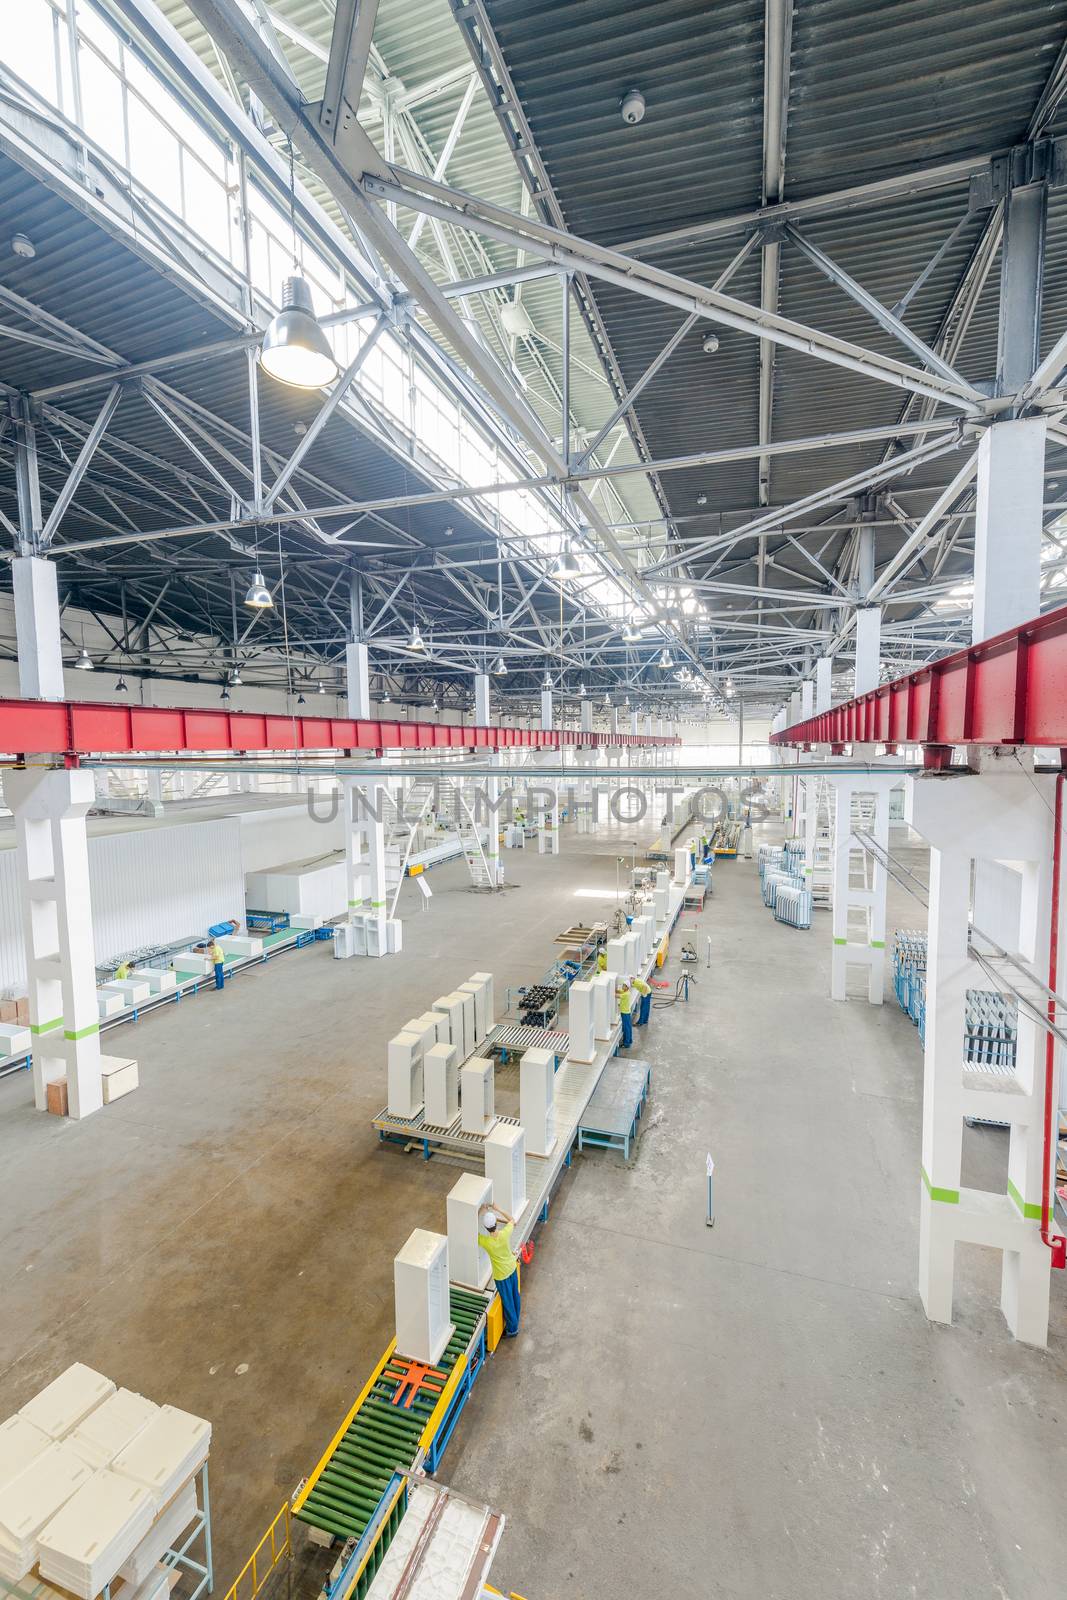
[760, 1409]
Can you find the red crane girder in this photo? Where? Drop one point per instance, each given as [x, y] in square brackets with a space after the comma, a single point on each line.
[77, 728]
[1008, 690]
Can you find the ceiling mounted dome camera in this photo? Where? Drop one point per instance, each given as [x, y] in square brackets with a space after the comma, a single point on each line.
[633, 106]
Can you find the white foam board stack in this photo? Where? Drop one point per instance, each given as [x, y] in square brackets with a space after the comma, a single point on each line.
[505, 1167]
[477, 1095]
[468, 1263]
[405, 1071]
[477, 995]
[61, 1404]
[160, 980]
[485, 979]
[440, 1085]
[580, 1027]
[618, 953]
[161, 1537]
[167, 1451]
[88, 1539]
[20, 1443]
[108, 1429]
[15, 1040]
[132, 992]
[605, 1008]
[537, 1092]
[681, 867]
[118, 1076]
[451, 1006]
[420, 1290]
[31, 1500]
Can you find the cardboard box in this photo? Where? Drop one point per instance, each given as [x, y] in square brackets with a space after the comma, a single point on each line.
[22, 1011]
[57, 1097]
[8, 1011]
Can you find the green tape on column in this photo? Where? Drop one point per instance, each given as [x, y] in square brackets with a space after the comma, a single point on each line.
[46, 1027]
[81, 1033]
[947, 1197]
[1030, 1211]
[877, 944]
[840, 941]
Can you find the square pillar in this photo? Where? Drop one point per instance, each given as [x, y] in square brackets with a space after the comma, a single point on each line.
[868, 649]
[823, 679]
[37, 631]
[1007, 530]
[546, 708]
[357, 671]
[49, 806]
[807, 699]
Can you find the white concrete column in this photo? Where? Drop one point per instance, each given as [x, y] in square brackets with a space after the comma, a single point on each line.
[983, 819]
[37, 631]
[189, 781]
[492, 843]
[868, 649]
[824, 668]
[634, 727]
[546, 708]
[49, 807]
[155, 785]
[357, 672]
[794, 708]
[615, 719]
[481, 700]
[587, 716]
[1007, 528]
[649, 730]
[858, 884]
[807, 699]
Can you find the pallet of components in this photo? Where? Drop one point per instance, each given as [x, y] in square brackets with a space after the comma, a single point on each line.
[792, 905]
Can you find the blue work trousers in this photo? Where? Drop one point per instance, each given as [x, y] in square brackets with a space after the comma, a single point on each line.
[627, 1030]
[645, 1010]
[220, 975]
[510, 1300]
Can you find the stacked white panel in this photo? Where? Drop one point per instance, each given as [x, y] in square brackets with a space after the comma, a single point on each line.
[21, 1442]
[580, 1024]
[466, 1000]
[166, 1453]
[681, 868]
[505, 1167]
[105, 1432]
[468, 1263]
[440, 1085]
[537, 1112]
[618, 953]
[451, 1006]
[478, 1001]
[485, 979]
[31, 1500]
[61, 1405]
[405, 1076]
[85, 1543]
[477, 1084]
[420, 1290]
[605, 1005]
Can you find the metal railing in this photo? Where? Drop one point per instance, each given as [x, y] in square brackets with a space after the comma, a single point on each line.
[274, 1547]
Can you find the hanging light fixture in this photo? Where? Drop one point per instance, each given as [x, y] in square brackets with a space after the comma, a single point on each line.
[295, 350]
[631, 633]
[234, 679]
[258, 597]
[416, 642]
[607, 701]
[626, 703]
[84, 663]
[322, 688]
[500, 670]
[121, 686]
[566, 563]
[225, 695]
[300, 700]
[665, 660]
[581, 691]
[547, 680]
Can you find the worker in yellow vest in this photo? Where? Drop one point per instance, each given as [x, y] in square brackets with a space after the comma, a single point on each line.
[122, 971]
[217, 957]
[644, 1010]
[625, 991]
[494, 1236]
[602, 961]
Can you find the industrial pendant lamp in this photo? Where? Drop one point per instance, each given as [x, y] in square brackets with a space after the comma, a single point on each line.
[121, 686]
[84, 662]
[566, 563]
[225, 695]
[607, 701]
[500, 670]
[626, 703]
[322, 688]
[631, 633]
[581, 691]
[295, 350]
[665, 660]
[547, 681]
[416, 641]
[300, 700]
[258, 597]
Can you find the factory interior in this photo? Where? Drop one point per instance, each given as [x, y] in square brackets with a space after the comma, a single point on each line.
[533, 733]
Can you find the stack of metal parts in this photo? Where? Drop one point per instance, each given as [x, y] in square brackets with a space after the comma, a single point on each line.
[539, 1004]
[991, 1020]
[782, 883]
[793, 905]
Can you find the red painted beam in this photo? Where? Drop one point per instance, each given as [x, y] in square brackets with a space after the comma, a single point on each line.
[1008, 690]
[83, 728]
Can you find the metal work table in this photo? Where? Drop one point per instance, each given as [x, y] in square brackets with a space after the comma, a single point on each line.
[614, 1110]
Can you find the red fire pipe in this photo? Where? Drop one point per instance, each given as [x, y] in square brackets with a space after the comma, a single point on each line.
[1056, 1243]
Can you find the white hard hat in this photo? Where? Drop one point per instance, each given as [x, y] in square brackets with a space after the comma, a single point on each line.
[490, 1221]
